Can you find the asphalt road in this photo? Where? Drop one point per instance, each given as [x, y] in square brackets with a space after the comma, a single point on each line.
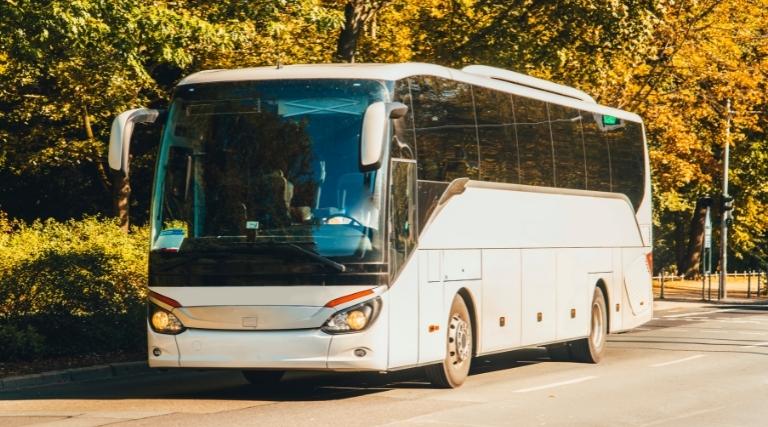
[693, 365]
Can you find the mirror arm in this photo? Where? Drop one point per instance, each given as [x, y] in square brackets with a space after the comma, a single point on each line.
[396, 110]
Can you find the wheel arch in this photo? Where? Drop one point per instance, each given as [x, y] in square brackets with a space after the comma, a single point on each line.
[469, 300]
[604, 288]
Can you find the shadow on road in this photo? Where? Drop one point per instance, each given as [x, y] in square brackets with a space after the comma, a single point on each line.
[296, 386]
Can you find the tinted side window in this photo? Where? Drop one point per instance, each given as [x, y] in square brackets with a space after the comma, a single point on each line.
[628, 161]
[569, 147]
[404, 143]
[496, 132]
[402, 212]
[597, 153]
[445, 129]
[429, 194]
[534, 142]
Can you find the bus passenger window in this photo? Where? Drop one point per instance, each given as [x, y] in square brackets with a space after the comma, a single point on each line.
[569, 147]
[498, 142]
[535, 142]
[445, 129]
[628, 161]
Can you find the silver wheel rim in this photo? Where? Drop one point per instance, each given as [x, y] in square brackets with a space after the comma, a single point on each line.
[598, 325]
[459, 341]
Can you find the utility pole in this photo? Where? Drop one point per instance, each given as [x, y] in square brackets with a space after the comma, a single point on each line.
[726, 203]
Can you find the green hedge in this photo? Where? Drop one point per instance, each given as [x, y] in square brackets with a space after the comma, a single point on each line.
[73, 287]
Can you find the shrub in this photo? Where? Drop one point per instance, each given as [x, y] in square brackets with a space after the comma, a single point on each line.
[71, 287]
[20, 343]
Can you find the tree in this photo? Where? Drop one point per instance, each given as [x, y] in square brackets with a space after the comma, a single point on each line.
[71, 65]
[356, 14]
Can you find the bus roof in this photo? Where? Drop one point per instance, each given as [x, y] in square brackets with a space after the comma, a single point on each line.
[390, 72]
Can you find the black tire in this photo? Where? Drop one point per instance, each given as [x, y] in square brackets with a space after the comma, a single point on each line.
[592, 348]
[263, 378]
[559, 352]
[459, 349]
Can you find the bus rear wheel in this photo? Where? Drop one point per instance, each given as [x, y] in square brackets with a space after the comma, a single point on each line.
[454, 369]
[592, 348]
[263, 378]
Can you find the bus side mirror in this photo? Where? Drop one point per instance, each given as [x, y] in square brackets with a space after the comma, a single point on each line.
[375, 127]
[120, 136]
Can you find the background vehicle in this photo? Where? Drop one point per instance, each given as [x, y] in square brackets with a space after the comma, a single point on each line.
[379, 217]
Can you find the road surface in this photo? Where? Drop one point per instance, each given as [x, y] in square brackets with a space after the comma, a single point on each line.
[693, 365]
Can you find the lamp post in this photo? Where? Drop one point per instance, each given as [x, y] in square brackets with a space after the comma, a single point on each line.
[726, 213]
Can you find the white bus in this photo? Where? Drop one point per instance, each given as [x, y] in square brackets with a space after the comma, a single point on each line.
[376, 217]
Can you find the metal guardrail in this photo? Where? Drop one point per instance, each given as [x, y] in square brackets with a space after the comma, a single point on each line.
[746, 284]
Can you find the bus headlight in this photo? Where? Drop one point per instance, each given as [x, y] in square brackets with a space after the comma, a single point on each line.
[163, 321]
[353, 319]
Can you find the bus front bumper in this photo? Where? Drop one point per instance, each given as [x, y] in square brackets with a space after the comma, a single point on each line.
[307, 349]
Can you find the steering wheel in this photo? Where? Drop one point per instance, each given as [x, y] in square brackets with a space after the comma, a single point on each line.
[353, 222]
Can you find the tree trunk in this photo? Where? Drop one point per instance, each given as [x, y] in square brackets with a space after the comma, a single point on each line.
[121, 186]
[690, 264]
[87, 123]
[102, 173]
[356, 13]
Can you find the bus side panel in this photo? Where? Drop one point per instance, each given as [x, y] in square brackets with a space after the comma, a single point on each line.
[403, 310]
[506, 219]
[616, 293]
[638, 292]
[539, 287]
[598, 266]
[502, 293]
[573, 294]
[432, 317]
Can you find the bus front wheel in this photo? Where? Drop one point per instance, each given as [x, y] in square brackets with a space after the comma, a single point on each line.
[591, 349]
[454, 369]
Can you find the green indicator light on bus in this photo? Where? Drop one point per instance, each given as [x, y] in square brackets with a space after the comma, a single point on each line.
[610, 120]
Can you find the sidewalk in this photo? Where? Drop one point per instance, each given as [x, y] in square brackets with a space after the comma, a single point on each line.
[98, 372]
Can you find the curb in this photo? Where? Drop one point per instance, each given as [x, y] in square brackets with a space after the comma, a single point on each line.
[90, 373]
[715, 302]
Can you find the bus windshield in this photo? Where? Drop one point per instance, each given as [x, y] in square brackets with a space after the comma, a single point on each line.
[246, 166]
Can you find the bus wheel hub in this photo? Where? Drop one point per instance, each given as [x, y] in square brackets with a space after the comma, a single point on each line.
[459, 340]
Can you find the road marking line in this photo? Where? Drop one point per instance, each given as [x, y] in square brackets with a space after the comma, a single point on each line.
[714, 331]
[751, 333]
[545, 386]
[681, 417]
[760, 344]
[726, 320]
[673, 362]
[673, 316]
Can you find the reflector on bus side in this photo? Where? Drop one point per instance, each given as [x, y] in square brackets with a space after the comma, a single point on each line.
[649, 261]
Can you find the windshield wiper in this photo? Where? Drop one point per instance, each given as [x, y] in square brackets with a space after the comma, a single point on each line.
[317, 257]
